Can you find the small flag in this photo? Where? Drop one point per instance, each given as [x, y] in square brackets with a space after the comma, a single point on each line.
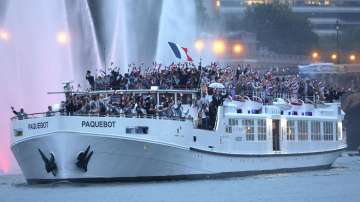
[180, 52]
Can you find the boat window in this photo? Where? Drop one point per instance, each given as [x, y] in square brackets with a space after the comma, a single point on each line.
[18, 133]
[315, 130]
[303, 130]
[248, 126]
[328, 130]
[261, 129]
[290, 130]
[137, 130]
[228, 129]
[233, 122]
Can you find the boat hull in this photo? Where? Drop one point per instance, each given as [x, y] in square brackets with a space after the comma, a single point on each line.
[117, 158]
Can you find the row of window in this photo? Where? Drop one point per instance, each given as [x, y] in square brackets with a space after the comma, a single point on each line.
[137, 130]
[304, 129]
[314, 133]
[250, 126]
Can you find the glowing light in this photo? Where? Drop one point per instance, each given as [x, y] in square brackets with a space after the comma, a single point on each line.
[334, 56]
[4, 164]
[219, 47]
[238, 48]
[4, 35]
[199, 45]
[218, 3]
[315, 55]
[62, 38]
[352, 57]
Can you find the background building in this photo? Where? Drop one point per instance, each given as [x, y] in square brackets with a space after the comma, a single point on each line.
[323, 14]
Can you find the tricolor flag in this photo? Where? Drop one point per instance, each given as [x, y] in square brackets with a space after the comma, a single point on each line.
[180, 52]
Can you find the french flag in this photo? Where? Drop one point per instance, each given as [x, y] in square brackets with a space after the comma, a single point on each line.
[180, 52]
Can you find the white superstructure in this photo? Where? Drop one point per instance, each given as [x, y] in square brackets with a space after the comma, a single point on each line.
[248, 137]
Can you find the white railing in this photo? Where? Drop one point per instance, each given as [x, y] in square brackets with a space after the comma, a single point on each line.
[122, 115]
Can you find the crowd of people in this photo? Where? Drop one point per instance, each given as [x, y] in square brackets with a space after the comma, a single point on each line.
[19, 114]
[180, 76]
[236, 81]
[116, 104]
[145, 105]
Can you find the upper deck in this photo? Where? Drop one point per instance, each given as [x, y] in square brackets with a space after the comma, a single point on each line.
[252, 105]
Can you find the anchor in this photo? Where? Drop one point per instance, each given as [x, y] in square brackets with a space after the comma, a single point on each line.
[50, 164]
[83, 159]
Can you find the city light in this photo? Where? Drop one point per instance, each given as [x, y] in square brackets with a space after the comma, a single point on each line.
[238, 48]
[334, 56]
[62, 38]
[315, 55]
[199, 45]
[352, 57]
[219, 47]
[4, 35]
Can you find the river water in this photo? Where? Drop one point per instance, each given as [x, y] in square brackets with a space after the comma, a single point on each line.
[341, 183]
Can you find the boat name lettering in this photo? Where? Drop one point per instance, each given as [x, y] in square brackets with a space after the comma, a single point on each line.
[39, 125]
[98, 124]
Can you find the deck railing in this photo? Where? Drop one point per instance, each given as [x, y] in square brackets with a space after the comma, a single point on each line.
[267, 98]
[122, 115]
[259, 96]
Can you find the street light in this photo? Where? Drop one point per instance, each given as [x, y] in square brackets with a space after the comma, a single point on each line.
[352, 57]
[199, 45]
[219, 47]
[315, 55]
[238, 48]
[218, 4]
[334, 57]
[337, 42]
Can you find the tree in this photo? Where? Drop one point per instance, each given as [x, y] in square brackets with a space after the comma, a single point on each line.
[279, 29]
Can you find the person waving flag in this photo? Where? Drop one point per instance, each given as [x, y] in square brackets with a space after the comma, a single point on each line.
[180, 52]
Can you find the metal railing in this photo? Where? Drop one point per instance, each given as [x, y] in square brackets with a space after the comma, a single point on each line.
[267, 98]
[122, 115]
